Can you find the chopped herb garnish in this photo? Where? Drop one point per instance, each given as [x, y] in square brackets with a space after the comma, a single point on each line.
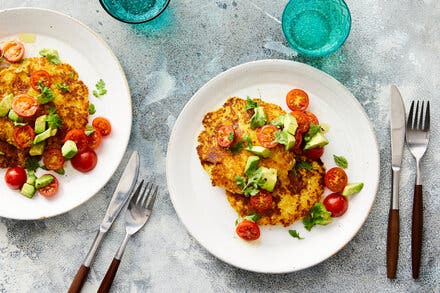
[236, 147]
[100, 89]
[51, 55]
[32, 164]
[285, 138]
[60, 171]
[305, 165]
[54, 121]
[254, 181]
[318, 215]
[46, 95]
[63, 87]
[253, 217]
[341, 161]
[89, 130]
[231, 136]
[92, 109]
[250, 104]
[278, 122]
[259, 118]
[72, 75]
[295, 234]
[314, 129]
[295, 173]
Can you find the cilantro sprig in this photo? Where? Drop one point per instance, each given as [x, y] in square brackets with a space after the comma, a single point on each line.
[51, 55]
[63, 87]
[251, 185]
[341, 161]
[318, 215]
[46, 95]
[295, 234]
[100, 89]
[314, 129]
[253, 217]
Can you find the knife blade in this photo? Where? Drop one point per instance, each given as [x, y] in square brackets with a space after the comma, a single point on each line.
[120, 197]
[397, 125]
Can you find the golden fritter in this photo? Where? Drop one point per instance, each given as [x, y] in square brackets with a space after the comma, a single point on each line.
[293, 195]
[72, 105]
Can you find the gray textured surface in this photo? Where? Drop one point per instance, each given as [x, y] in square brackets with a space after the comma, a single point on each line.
[166, 61]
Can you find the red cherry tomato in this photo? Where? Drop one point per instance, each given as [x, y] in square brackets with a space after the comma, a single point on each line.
[102, 125]
[314, 154]
[79, 137]
[225, 136]
[94, 140]
[40, 76]
[262, 200]
[51, 189]
[336, 204]
[302, 120]
[23, 136]
[85, 161]
[13, 51]
[298, 140]
[15, 177]
[25, 105]
[297, 99]
[336, 179]
[248, 230]
[312, 118]
[53, 159]
[266, 136]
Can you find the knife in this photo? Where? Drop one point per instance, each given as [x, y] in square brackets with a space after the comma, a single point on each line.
[397, 123]
[119, 198]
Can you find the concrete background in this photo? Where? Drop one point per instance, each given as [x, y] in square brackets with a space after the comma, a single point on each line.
[166, 61]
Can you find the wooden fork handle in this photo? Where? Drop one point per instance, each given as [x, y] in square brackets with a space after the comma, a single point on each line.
[417, 231]
[79, 279]
[106, 283]
[392, 243]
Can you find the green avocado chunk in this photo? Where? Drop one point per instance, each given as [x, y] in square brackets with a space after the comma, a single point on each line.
[40, 124]
[260, 151]
[6, 105]
[31, 178]
[251, 164]
[13, 116]
[37, 149]
[69, 149]
[42, 136]
[43, 181]
[352, 188]
[290, 124]
[270, 177]
[27, 190]
[317, 141]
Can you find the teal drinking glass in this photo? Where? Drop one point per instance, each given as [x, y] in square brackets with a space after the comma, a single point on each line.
[134, 11]
[316, 27]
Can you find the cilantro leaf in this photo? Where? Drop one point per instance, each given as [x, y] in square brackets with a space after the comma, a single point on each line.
[32, 164]
[305, 165]
[100, 89]
[314, 129]
[236, 147]
[231, 136]
[51, 55]
[54, 121]
[253, 217]
[341, 161]
[295, 234]
[63, 87]
[295, 173]
[318, 215]
[241, 181]
[250, 104]
[279, 121]
[259, 118]
[46, 95]
[92, 109]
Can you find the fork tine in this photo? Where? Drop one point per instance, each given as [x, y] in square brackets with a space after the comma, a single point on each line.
[409, 123]
[147, 193]
[427, 118]
[422, 115]
[416, 116]
[152, 199]
[143, 195]
[135, 196]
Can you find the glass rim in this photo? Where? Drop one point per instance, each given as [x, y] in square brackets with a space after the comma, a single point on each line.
[134, 22]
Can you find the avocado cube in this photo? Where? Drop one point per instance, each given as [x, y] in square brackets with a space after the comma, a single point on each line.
[42, 136]
[260, 151]
[290, 124]
[40, 124]
[13, 116]
[317, 141]
[69, 149]
[270, 177]
[251, 164]
[27, 190]
[37, 149]
[43, 181]
[6, 105]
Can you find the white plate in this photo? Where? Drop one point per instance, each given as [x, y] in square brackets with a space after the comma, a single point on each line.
[204, 209]
[92, 58]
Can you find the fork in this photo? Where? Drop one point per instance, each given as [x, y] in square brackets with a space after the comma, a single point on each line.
[137, 214]
[417, 138]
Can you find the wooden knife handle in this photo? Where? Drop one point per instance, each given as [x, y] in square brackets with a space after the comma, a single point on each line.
[79, 279]
[417, 231]
[106, 283]
[392, 243]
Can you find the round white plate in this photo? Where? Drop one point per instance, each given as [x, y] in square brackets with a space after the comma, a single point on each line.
[204, 209]
[79, 46]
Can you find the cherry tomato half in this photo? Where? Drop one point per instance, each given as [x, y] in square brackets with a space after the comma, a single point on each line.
[53, 159]
[314, 154]
[13, 51]
[85, 161]
[102, 125]
[25, 105]
[79, 137]
[302, 120]
[262, 200]
[94, 140]
[298, 140]
[51, 189]
[297, 99]
[24, 135]
[336, 204]
[266, 136]
[15, 177]
[225, 136]
[312, 118]
[248, 230]
[336, 179]
[40, 76]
